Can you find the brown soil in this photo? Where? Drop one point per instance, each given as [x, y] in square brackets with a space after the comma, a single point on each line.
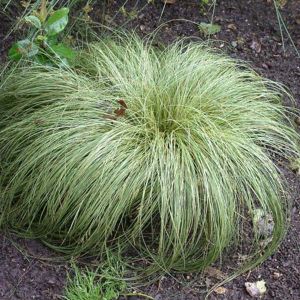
[250, 32]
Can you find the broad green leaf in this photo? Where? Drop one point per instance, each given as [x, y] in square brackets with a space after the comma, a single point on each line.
[52, 40]
[23, 48]
[57, 22]
[42, 59]
[14, 52]
[63, 51]
[34, 21]
[208, 28]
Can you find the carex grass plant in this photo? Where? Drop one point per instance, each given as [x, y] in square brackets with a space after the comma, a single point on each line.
[166, 151]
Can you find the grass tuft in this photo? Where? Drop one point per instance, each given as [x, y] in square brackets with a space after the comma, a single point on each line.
[85, 284]
[169, 151]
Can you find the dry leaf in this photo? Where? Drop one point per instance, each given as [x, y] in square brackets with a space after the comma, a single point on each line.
[122, 103]
[232, 27]
[87, 9]
[256, 289]
[220, 290]
[120, 112]
[25, 4]
[213, 272]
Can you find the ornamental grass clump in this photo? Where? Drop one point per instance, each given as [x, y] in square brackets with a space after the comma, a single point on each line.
[168, 151]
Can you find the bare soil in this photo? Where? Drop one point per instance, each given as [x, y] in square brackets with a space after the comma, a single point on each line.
[250, 31]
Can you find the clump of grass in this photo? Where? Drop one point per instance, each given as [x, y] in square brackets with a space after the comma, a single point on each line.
[169, 151]
[82, 286]
[104, 283]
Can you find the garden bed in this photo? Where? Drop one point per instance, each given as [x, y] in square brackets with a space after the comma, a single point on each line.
[28, 270]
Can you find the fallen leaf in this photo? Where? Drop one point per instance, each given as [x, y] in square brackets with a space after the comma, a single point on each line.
[256, 289]
[242, 257]
[220, 290]
[87, 9]
[120, 112]
[122, 103]
[231, 27]
[208, 282]
[213, 272]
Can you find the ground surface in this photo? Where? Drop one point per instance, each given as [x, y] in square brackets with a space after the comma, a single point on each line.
[249, 31]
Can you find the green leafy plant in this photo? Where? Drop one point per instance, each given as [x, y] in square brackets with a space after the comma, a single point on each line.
[167, 151]
[42, 43]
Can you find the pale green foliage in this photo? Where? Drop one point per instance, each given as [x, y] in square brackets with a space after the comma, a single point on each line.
[176, 176]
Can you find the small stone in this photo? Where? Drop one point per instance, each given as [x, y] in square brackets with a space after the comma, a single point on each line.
[256, 46]
[256, 289]
[277, 275]
[51, 281]
[234, 44]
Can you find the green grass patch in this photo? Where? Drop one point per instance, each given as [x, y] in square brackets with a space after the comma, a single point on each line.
[104, 283]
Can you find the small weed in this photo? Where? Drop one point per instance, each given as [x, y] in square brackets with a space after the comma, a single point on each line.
[295, 166]
[209, 29]
[82, 286]
[130, 14]
[42, 43]
[105, 283]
